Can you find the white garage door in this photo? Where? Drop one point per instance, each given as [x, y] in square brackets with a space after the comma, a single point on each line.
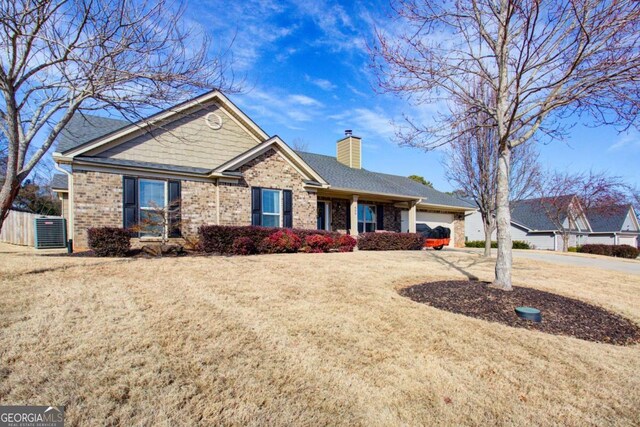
[627, 240]
[432, 219]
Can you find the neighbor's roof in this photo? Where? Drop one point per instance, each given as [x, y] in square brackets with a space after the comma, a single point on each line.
[609, 219]
[59, 181]
[342, 176]
[83, 128]
[532, 214]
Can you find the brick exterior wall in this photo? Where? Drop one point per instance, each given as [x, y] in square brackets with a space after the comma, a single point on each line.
[269, 170]
[97, 202]
[340, 207]
[458, 228]
[98, 198]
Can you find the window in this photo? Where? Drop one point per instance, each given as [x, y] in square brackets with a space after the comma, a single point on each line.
[153, 203]
[366, 218]
[270, 208]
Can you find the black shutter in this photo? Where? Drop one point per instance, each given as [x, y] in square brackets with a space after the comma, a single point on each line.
[175, 204]
[348, 217]
[380, 217]
[256, 206]
[287, 202]
[130, 203]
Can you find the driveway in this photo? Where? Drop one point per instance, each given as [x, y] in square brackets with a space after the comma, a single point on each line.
[605, 263]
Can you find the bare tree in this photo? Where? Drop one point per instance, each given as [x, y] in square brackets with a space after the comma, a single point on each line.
[62, 57]
[567, 198]
[472, 165]
[299, 144]
[545, 61]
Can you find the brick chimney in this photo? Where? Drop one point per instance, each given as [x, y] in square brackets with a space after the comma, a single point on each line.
[349, 150]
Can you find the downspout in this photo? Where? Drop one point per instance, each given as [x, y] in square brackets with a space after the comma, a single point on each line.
[217, 201]
[70, 188]
[555, 241]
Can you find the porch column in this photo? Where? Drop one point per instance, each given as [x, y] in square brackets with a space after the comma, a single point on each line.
[412, 215]
[354, 215]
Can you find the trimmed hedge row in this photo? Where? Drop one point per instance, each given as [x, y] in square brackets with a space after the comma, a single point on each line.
[516, 244]
[109, 241]
[390, 242]
[619, 251]
[247, 240]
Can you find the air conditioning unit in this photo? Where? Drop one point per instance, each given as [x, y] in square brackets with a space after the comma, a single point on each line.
[50, 233]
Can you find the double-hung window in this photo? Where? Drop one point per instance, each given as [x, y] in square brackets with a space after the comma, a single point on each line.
[271, 211]
[366, 218]
[153, 206]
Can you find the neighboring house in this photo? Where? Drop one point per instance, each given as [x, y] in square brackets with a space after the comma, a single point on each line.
[535, 222]
[616, 225]
[214, 165]
[532, 222]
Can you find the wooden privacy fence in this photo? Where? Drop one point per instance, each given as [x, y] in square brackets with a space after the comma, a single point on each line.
[19, 229]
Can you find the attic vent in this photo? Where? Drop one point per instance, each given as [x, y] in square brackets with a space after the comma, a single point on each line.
[50, 233]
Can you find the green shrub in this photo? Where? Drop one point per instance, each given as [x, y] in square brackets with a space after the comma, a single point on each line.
[109, 241]
[390, 241]
[516, 244]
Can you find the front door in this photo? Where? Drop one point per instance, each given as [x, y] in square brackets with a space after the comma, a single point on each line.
[322, 216]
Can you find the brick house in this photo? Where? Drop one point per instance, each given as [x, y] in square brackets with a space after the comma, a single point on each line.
[214, 165]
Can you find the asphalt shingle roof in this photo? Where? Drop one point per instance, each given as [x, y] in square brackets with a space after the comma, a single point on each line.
[342, 176]
[59, 181]
[609, 219]
[147, 165]
[531, 214]
[83, 128]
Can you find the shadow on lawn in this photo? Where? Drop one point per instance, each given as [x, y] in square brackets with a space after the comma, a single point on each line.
[472, 277]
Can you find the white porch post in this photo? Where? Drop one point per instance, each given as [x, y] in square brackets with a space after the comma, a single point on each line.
[354, 215]
[412, 215]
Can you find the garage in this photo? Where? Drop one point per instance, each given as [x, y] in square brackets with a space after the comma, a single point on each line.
[627, 240]
[432, 219]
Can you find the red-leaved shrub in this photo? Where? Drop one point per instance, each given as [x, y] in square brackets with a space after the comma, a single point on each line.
[345, 243]
[243, 246]
[318, 243]
[282, 241]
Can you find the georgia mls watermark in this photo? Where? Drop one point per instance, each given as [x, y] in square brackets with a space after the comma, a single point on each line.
[31, 416]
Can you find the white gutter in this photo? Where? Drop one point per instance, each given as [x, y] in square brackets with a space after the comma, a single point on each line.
[70, 192]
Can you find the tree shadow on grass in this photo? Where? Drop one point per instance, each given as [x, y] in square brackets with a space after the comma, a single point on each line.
[462, 269]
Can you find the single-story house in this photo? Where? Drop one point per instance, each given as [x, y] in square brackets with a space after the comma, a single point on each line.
[214, 165]
[531, 222]
[616, 225]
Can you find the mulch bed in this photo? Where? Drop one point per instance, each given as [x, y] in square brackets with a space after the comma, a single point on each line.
[560, 315]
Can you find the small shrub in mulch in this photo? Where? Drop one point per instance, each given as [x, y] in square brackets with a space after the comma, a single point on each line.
[560, 315]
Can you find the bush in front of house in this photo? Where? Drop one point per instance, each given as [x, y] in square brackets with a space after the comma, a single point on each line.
[597, 249]
[280, 242]
[109, 241]
[344, 243]
[243, 246]
[620, 251]
[625, 251]
[318, 243]
[516, 244]
[220, 238]
[390, 242]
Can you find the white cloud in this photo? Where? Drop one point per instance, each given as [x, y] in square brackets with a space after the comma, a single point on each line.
[321, 83]
[304, 100]
[626, 140]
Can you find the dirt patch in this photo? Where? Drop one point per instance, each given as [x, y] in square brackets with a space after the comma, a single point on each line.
[560, 315]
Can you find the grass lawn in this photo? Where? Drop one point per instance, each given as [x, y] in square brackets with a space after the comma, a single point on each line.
[300, 340]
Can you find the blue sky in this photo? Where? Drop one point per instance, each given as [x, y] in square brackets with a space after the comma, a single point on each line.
[304, 65]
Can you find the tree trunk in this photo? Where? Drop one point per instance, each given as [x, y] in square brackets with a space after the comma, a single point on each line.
[503, 222]
[8, 193]
[488, 230]
[565, 242]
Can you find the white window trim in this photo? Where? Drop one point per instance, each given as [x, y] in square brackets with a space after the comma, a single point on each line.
[141, 208]
[280, 203]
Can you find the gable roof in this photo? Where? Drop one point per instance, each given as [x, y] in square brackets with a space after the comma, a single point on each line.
[109, 130]
[609, 219]
[533, 214]
[340, 176]
[83, 128]
[59, 181]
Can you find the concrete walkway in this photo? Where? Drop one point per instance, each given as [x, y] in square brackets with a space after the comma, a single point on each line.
[605, 263]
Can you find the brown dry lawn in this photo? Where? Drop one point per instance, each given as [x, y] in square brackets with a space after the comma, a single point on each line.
[300, 340]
